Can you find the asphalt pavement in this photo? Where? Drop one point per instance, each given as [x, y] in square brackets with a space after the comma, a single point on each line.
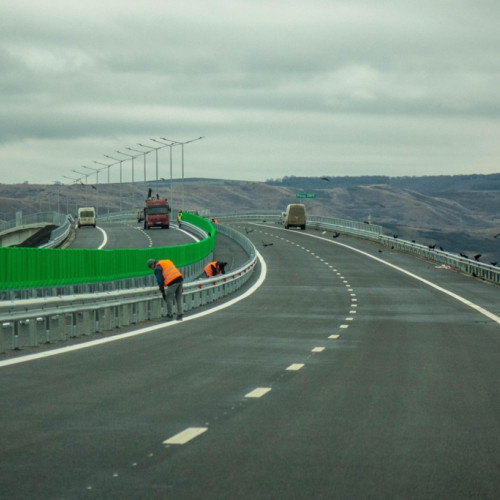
[343, 373]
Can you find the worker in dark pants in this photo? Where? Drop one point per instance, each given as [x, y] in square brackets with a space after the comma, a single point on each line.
[170, 281]
[214, 268]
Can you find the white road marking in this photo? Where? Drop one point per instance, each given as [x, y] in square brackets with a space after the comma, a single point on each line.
[334, 337]
[258, 393]
[465, 301]
[344, 326]
[295, 367]
[318, 349]
[142, 331]
[186, 435]
[104, 238]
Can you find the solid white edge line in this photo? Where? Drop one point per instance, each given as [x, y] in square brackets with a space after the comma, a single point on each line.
[104, 238]
[465, 301]
[141, 331]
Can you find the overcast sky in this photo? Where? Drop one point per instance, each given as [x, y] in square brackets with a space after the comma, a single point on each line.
[295, 87]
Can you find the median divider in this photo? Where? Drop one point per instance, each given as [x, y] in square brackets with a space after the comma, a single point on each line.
[31, 322]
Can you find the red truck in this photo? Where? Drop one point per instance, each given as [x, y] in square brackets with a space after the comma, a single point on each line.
[156, 212]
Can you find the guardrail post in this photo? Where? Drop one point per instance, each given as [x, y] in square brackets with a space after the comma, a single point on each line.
[96, 321]
[6, 325]
[15, 336]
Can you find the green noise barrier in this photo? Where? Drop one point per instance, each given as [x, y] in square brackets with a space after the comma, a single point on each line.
[40, 267]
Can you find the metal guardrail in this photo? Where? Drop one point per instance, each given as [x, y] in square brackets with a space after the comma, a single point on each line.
[486, 272]
[373, 232]
[57, 236]
[31, 322]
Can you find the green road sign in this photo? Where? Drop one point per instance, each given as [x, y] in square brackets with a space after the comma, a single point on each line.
[305, 195]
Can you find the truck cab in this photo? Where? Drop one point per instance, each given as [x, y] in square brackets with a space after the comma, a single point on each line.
[156, 212]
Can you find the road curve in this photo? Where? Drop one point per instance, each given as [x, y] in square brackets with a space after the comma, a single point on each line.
[349, 373]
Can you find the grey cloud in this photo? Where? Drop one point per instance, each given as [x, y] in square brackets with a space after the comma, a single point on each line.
[254, 72]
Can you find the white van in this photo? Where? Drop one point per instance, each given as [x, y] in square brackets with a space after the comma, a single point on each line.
[86, 216]
[295, 216]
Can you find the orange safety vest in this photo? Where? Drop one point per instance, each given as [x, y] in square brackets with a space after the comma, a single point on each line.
[169, 271]
[209, 270]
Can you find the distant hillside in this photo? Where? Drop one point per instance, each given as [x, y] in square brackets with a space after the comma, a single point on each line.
[459, 213]
[426, 184]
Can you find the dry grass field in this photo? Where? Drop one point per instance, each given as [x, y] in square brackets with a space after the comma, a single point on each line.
[460, 219]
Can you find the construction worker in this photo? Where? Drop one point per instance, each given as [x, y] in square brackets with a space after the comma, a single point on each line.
[170, 281]
[179, 218]
[214, 268]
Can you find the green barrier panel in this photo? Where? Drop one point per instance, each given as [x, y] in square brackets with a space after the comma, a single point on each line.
[40, 267]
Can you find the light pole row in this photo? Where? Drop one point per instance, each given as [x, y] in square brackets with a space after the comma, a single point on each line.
[170, 143]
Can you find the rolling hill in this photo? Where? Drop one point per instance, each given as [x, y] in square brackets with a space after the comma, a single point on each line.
[458, 213]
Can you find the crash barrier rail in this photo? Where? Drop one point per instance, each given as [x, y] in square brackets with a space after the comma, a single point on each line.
[57, 236]
[373, 232]
[27, 220]
[35, 270]
[31, 322]
[60, 233]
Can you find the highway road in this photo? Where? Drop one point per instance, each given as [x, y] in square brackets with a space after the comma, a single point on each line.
[113, 235]
[344, 372]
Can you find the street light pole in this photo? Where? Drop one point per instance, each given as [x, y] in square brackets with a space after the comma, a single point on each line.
[75, 180]
[96, 170]
[120, 162]
[108, 165]
[142, 153]
[156, 152]
[174, 143]
[171, 178]
[133, 158]
[86, 182]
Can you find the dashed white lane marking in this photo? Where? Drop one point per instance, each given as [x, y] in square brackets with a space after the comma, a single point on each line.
[334, 337]
[344, 326]
[295, 367]
[461, 299]
[258, 393]
[186, 435]
[349, 319]
[318, 349]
